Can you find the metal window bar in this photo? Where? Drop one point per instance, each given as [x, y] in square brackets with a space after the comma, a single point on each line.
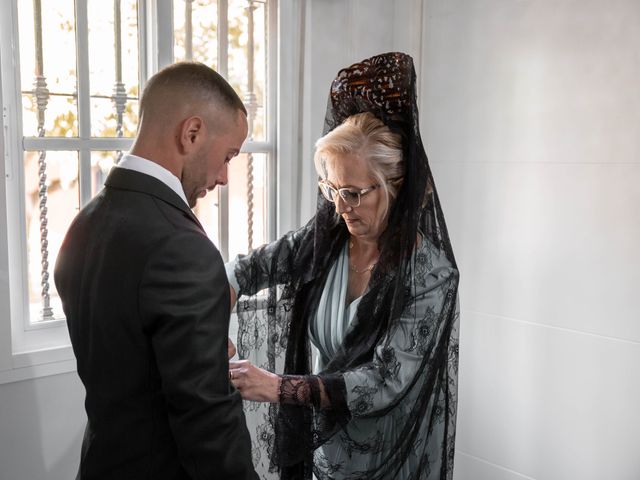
[84, 102]
[119, 93]
[41, 94]
[74, 95]
[188, 29]
[223, 69]
[252, 108]
[108, 143]
[270, 109]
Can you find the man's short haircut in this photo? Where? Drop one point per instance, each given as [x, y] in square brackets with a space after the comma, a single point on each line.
[188, 82]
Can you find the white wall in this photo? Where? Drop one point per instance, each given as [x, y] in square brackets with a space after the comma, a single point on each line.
[531, 117]
[41, 427]
[339, 33]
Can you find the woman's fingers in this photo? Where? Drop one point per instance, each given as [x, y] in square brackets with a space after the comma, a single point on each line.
[238, 364]
[236, 380]
[252, 382]
[238, 372]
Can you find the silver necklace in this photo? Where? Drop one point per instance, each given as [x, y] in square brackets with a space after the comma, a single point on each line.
[353, 268]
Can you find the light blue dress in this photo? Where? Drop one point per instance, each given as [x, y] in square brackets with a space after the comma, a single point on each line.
[334, 316]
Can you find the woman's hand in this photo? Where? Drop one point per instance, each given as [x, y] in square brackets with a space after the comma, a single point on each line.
[254, 383]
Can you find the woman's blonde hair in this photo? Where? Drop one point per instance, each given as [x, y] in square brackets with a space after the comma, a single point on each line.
[365, 135]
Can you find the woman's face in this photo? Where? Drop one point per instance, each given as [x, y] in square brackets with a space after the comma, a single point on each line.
[366, 221]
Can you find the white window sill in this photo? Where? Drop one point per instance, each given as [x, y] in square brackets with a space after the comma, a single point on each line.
[40, 363]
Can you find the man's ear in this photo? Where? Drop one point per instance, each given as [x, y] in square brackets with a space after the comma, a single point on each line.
[192, 132]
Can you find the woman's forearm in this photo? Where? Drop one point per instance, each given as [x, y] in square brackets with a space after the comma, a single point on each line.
[305, 390]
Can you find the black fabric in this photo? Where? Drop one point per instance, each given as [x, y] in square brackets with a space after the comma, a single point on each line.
[295, 269]
[147, 306]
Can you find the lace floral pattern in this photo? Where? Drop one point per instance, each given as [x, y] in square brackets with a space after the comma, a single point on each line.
[389, 364]
[362, 402]
[423, 332]
[300, 390]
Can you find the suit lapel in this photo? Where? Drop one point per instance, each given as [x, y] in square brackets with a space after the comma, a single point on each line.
[126, 179]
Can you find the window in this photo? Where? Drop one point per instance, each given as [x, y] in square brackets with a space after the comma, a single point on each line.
[238, 49]
[72, 73]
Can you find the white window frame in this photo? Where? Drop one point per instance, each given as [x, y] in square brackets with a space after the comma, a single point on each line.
[34, 350]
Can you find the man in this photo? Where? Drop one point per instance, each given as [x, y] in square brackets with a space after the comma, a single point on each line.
[147, 299]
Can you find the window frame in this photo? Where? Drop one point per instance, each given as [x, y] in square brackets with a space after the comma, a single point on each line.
[30, 350]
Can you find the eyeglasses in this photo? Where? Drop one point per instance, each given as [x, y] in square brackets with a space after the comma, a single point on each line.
[350, 196]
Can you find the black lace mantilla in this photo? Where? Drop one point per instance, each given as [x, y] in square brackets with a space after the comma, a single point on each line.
[398, 361]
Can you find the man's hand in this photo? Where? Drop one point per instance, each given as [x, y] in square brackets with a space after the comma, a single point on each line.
[231, 349]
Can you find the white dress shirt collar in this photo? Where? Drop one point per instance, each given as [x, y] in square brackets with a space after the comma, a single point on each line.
[142, 165]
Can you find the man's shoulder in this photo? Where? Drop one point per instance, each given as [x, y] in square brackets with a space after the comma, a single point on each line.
[142, 208]
[134, 220]
[174, 228]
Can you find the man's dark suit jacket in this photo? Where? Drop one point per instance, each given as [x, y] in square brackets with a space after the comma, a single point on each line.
[147, 303]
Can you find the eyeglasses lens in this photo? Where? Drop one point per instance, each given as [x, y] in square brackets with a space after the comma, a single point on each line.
[351, 198]
[328, 192]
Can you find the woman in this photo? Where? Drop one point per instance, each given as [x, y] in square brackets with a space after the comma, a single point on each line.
[371, 282]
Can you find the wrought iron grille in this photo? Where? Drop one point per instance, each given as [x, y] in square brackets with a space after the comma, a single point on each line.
[81, 68]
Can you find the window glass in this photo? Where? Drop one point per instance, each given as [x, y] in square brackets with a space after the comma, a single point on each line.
[48, 67]
[196, 31]
[113, 74]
